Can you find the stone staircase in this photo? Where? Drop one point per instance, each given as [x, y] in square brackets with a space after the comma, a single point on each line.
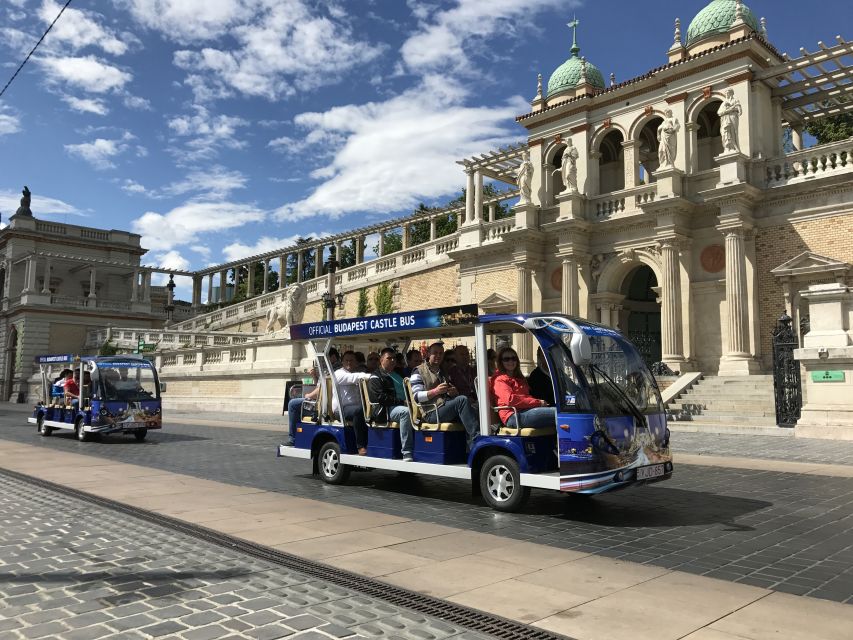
[727, 405]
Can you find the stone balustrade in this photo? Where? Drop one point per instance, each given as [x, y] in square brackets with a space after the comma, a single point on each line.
[494, 231]
[816, 162]
[625, 201]
[128, 338]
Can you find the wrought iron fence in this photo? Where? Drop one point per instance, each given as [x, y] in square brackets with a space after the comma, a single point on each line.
[787, 388]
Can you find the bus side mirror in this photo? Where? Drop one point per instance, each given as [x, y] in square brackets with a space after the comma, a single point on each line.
[162, 387]
[581, 349]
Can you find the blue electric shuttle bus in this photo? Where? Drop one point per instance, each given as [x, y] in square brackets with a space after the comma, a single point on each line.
[609, 427]
[116, 394]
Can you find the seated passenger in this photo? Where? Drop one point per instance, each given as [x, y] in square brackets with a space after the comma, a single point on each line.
[334, 359]
[462, 376]
[392, 407]
[72, 387]
[439, 399]
[372, 362]
[294, 411]
[540, 380]
[511, 390]
[360, 362]
[413, 360]
[347, 378]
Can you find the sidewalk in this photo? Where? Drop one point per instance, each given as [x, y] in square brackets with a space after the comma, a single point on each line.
[565, 591]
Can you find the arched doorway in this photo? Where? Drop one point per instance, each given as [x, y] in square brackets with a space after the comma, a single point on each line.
[709, 143]
[647, 151]
[11, 359]
[641, 312]
[611, 166]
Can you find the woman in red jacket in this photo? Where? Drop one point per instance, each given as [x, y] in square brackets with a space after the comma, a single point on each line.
[511, 390]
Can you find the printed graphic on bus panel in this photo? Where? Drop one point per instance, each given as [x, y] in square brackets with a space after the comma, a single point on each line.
[129, 397]
[392, 322]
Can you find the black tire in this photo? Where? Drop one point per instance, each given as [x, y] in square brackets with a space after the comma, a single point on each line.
[82, 435]
[43, 429]
[140, 434]
[329, 464]
[500, 484]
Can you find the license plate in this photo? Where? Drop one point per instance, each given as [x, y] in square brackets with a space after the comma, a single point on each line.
[651, 471]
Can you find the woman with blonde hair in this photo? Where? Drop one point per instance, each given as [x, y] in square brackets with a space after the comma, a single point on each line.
[510, 389]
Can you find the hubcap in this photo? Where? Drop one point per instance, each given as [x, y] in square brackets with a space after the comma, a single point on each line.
[330, 463]
[501, 483]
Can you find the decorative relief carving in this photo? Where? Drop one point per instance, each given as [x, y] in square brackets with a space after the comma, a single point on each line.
[713, 258]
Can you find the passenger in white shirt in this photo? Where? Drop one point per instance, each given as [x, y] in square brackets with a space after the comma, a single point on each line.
[347, 379]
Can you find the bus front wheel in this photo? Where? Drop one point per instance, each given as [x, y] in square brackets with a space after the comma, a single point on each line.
[140, 434]
[500, 484]
[82, 434]
[332, 471]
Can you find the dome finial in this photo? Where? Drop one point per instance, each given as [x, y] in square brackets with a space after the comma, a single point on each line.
[573, 25]
[538, 87]
[764, 28]
[738, 13]
[583, 71]
[677, 39]
[612, 79]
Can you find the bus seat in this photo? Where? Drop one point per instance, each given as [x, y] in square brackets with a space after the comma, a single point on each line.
[330, 416]
[418, 414]
[528, 432]
[368, 407]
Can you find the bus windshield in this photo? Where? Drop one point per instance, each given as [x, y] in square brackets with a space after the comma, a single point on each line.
[127, 381]
[617, 381]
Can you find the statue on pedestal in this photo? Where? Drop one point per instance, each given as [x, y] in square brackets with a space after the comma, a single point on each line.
[668, 140]
[524, 177]
[289, 311]
[569, 167]
[730, 112]
[24, 209]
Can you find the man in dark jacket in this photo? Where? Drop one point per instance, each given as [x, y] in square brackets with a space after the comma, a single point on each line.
[539, 380]
[382, 392]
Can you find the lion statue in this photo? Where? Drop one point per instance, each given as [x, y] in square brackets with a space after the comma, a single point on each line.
[289, 311]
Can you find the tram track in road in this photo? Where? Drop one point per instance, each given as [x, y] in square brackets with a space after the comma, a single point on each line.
[472, 619]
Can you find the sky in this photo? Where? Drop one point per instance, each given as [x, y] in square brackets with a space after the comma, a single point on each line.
[219, 129]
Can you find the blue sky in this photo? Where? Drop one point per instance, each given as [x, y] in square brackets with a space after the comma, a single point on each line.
[222, 128]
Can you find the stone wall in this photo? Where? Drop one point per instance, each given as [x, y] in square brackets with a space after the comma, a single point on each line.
[501, 281]
[429, 289]
[829, 236]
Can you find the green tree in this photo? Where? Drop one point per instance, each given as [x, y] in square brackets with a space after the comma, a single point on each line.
[383, 299]
[363, 307]
[832, 128]
[347, 255]
[240, 291]
[307, 261]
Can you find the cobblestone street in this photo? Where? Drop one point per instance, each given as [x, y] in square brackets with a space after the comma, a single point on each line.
[74, 571]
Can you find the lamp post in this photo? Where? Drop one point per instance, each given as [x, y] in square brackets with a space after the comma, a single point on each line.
[330, 299]
[170, 298]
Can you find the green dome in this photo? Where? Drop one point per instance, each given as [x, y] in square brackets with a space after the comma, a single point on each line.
[568, 75]
[717, 17]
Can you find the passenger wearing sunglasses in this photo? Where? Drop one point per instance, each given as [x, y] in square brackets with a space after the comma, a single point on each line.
[510, 389]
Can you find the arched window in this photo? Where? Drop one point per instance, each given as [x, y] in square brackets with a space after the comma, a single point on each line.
[709, 144]
[611, 163]
[647, 151]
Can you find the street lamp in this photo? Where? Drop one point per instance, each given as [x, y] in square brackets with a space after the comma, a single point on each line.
[170, 298]
[330, 299]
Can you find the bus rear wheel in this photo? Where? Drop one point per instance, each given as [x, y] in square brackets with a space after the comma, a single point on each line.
[82, 435]
[43, 429]
[500, 484]
[332, 471]
[140, 434]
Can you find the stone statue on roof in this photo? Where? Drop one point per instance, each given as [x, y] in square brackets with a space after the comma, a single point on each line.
[730, 112]
[24, 209]
[668, 140]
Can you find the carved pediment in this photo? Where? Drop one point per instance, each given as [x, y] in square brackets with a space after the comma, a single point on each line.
[496, 303]
[810, 264]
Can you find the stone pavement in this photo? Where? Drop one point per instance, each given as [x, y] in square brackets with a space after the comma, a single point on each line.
[76, 571]
[570, 591]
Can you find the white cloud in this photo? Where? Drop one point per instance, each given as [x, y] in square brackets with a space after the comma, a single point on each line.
[86, 105]
[79, 28]
[173, 260]
[9, 122]
[10, 200]
[135, 102]
[87, 73]
[446, 39]
[238, 250]
[213, 183]
[399, 152]
[101, 151]
[205, 133]
[191, 20]
[184, 225]
[131, 186]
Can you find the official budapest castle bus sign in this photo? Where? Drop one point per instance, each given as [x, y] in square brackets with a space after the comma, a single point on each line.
[392, 322]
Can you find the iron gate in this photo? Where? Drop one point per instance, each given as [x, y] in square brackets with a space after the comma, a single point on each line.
[787, 388]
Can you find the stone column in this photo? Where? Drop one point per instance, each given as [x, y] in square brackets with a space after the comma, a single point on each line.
[209, 288]
[525, 304]
[196, 303]
[266, 275]
[282, 271]
[736, 293]
[92, 275]
[691, 152]
[433, 228]
[299, 266]
[223, 284]
[671, 342]
[359, 249]
[134, 286]
[797, 137]
[146, 286]
[469, 196]
[570, 305]
[492, 209]
[318, 261]
[629, 160]
[30, 276]
[404, 234]
[478, 197]
[45, 289]
[381, 251]
[250, 279]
